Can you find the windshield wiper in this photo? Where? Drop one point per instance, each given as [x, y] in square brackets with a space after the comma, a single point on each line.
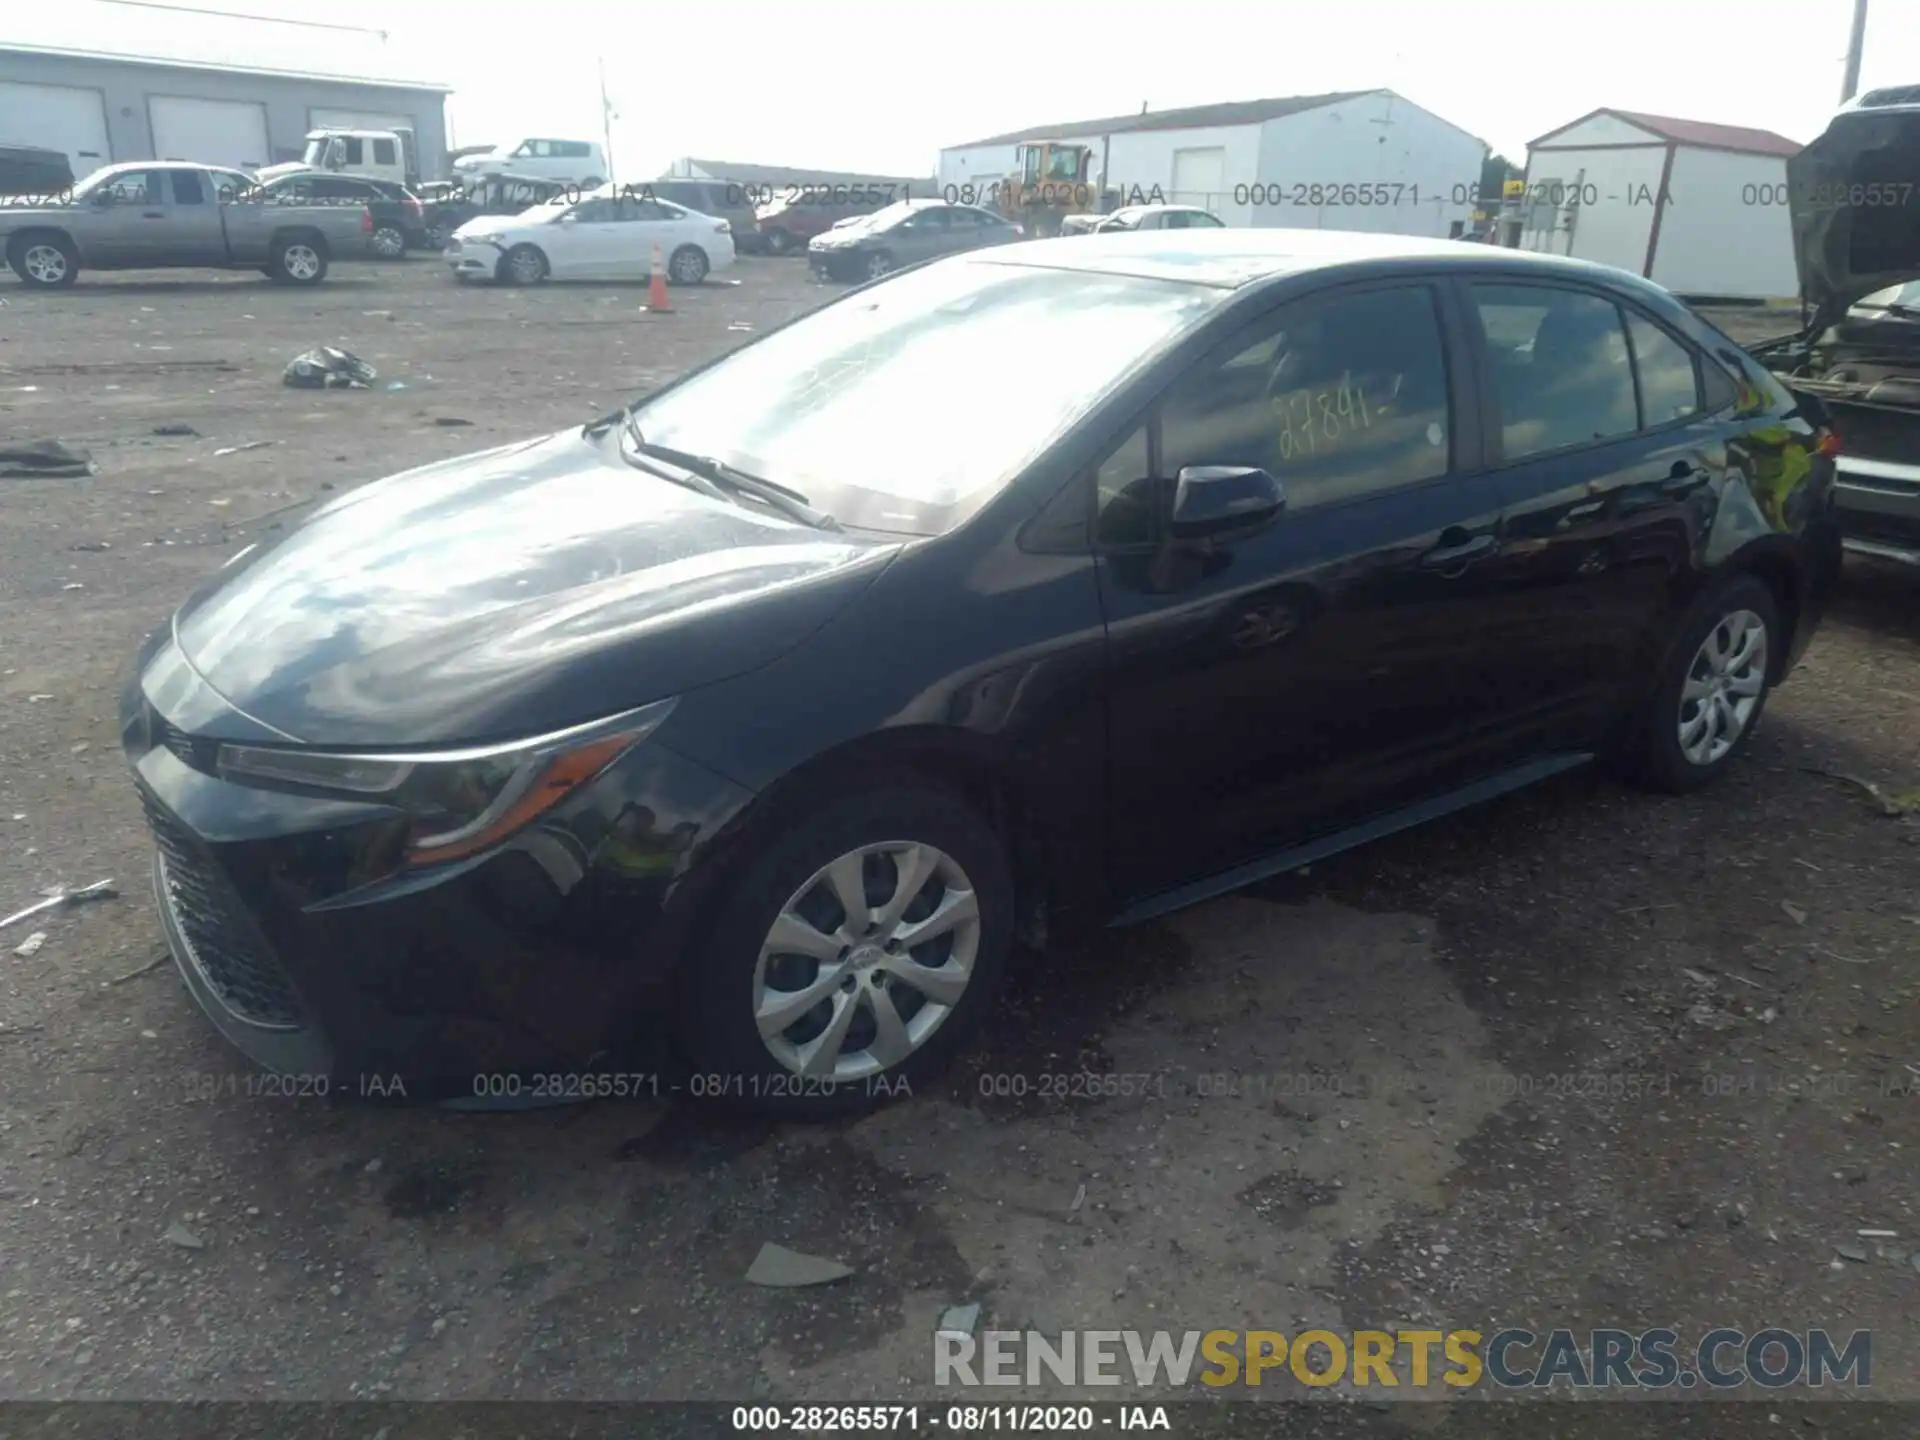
[721, 477]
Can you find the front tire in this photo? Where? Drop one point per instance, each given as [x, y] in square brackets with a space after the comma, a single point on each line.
[1712, 689]
[688, 265]
[854, 956]
[779, 242]
[878, 264]
[298, 262]
[46, 262]
[524, 265]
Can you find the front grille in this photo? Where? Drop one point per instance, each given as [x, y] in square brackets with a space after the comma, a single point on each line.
[223, 942]
[174, 738]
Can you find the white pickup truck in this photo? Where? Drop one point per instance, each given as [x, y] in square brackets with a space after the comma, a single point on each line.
[152, 214]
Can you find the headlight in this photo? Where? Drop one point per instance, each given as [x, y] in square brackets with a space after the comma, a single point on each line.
[494, 239]
[461, 801]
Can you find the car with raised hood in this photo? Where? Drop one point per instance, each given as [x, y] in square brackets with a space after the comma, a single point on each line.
[1854, 195]
[159, 214]
[904, 233]
[1019, 594]
[399, 216]
[612, 233]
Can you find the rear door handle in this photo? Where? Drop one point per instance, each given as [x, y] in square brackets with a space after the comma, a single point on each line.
[1454, 557]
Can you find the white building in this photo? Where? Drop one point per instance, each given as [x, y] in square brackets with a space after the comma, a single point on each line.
[1364, 160]
[1696, 207]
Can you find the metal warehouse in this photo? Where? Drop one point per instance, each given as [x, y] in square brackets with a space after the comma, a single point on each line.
[1359, 160]
[1697, 207]
[100, 107]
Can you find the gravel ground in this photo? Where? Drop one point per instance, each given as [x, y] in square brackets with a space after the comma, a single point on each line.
[1584, 1057]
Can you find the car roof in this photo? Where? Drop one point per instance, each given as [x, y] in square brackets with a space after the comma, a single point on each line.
[1229, 259]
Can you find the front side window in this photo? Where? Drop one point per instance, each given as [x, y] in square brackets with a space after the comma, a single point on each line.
[1560, 367]
[1338, 397]
[840, 405]
[354, 152]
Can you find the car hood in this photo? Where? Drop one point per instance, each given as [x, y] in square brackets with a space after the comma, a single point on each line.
[286, 167]
[1848, 250]
[519, 590]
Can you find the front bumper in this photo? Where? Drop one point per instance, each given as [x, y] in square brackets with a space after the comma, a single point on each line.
[837, 264]
[1878, 503]
[551, 955]
[472, 260]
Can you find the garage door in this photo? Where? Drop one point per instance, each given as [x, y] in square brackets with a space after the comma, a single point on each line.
[57, 117]
[1200, 177]
[213, 132]
[356, 120]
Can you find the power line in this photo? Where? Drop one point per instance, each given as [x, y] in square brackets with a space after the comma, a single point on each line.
[237, 15]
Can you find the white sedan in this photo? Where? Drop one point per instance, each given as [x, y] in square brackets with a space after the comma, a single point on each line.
[607, 235]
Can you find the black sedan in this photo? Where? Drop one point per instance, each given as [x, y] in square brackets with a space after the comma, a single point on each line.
[905, 233]
[1019, 593]
[399, 218]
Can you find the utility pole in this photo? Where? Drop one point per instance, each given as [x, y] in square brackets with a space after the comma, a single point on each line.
[1854, 42]
[607, 120]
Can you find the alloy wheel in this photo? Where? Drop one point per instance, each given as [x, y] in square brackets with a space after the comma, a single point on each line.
[866, 960]
[1723, 687]
[688, 267]
[389, 242]
[301, 262]
[878, 265]
[45, 264]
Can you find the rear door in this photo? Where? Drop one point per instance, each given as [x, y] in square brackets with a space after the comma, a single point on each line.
[130, 228]
[196, 234]
[1605, 446]
[922, 235]
[1332, 666]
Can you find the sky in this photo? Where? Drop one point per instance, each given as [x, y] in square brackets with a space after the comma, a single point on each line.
[881, 87]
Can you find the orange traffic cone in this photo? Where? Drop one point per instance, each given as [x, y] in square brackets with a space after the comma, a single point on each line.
[657, 302]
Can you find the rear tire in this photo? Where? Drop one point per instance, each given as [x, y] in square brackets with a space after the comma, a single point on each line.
[299, 261]
[1712, 690]
[779, 242]
[389, 242]
[869, 965]
[46, 262]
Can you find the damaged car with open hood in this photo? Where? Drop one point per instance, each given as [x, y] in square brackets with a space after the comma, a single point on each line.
[1855, 198]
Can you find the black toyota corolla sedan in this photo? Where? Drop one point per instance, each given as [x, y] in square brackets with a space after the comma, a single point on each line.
[1057, 586]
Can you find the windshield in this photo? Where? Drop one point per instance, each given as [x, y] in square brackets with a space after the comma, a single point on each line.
[906, 407]
[1904, 297]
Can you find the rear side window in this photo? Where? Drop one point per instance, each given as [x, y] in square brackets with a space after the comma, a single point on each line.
[187, 189]
[1669, 389]
[1339, 397]
[1560, 367]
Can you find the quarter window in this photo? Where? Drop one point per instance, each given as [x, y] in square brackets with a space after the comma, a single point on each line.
[1669, 389]
[1340, 397]
[1560, 367]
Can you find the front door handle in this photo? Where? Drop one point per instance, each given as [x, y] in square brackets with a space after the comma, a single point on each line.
[1460, 555]
[153, 214]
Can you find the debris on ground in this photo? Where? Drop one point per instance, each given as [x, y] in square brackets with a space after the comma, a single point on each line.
[175, 430]
[1079, 1199]
[1794, 912]
[44, 460]
[236, 449]
[99, 890]
[94, 546]
[1895, 806]
[959, 1320]
[326, 368]
[31, 945]
[450, 422]
[1855, 1253]
[783, 1269]
[178, 1234]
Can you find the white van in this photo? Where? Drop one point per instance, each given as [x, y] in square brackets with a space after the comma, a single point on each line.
[576, 162]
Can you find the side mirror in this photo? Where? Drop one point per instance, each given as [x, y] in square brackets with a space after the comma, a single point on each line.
[1217, 502]
[101, 199]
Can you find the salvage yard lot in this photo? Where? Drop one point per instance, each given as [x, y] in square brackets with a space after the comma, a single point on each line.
[1584, 1058]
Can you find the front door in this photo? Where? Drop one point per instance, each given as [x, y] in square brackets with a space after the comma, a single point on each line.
[1329, 667]
[921, 236]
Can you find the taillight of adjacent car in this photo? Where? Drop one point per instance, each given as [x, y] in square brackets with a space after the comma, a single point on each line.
[366, 221]
[1829, 443]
